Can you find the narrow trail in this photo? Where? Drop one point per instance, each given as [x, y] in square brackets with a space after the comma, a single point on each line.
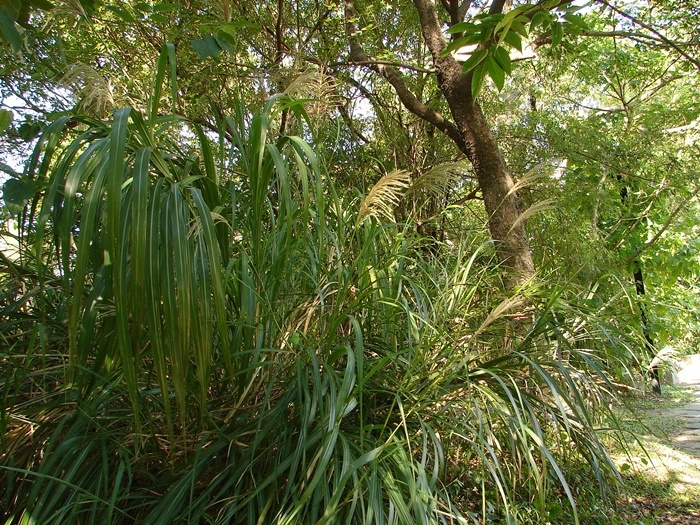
[688, 440]
[668, 469]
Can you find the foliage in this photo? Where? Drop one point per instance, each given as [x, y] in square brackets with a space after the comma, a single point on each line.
[240, 347]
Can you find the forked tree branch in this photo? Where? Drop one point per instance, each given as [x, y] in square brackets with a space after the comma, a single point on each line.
[432, 30]
[395, 78]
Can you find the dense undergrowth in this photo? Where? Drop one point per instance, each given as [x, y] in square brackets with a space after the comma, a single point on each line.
[208, 332]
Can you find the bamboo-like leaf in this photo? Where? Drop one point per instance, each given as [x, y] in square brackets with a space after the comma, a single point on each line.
[505, 306]
[89, 221]
[116, 170]
[217, 284]
[139, 227]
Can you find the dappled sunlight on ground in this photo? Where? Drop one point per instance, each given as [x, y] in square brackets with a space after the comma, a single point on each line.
[662, 471]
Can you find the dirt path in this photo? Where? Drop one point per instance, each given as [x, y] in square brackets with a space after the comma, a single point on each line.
[665, 471]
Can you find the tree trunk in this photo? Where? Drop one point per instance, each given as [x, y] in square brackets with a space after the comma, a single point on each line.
[653, 371]
[640, 290]
[478, 143]
[468, 130]
[497, 187]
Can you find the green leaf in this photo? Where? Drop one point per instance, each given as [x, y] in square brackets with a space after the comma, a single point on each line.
[557, 33]
[10, 8]
[495, 72]
[224, 43]
[9, 33]
[231, 27]
[463, 27]
[474, 60]
[161, 19]
[125, 16]
[207, 47]
[510, 17]
[165, 7]
[519, 28]
[29, 130]
[478, 79]
[502, 58]
[576, 20]
[461, 42]
[5, 120]
[513, 40]
[44, 5]
[541, 18]
[16, 193]
[89, 6]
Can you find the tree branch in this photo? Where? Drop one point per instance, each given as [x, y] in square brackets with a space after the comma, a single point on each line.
[472, 195]
[432, 31]
[464, 9]
[408, 99]
[348, 122]
[649, 28]
[399, 65]
[664, 227]
[497, 7]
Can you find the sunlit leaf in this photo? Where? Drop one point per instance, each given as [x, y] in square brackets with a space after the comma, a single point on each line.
[513, 39]
[502, 58]
[475, 59]
[557, 33]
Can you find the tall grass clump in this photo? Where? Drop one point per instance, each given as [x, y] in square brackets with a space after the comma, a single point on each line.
[202, 329]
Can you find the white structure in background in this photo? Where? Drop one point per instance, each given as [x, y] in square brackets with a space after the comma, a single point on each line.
[689, 373]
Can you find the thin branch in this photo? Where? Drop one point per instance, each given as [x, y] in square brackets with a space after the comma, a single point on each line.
[622, 34]
[349, 123]
[668, 223]
[646, 210]
[472, 195]
[464, 9]
[316, 28]
[649, 28]
[278, 33]
[391, 63]
[452, 7]
[432, 30]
